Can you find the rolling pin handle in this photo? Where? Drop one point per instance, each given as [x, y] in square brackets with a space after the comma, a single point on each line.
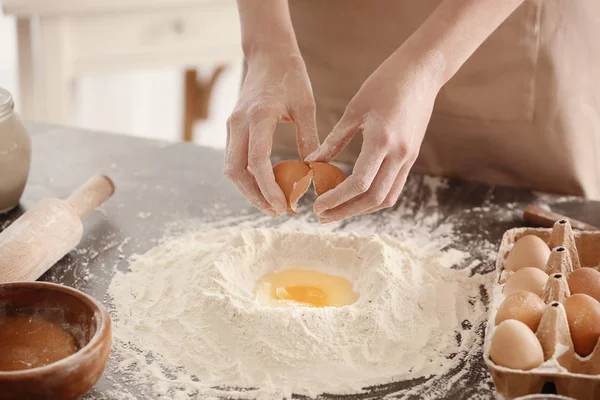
[539, 216]
[91, 194]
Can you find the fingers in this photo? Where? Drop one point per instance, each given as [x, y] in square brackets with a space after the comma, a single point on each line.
[236, 150]
[307, 136]
[336, 141]
[236, 163]
[247, 185]
[248, 150]
[394, 194]
[259, 162]
[365, 170]
[374, 197]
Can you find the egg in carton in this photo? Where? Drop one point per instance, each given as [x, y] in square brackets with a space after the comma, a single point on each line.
[573, 375]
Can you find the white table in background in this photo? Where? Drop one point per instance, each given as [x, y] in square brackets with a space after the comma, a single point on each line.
[59, 40]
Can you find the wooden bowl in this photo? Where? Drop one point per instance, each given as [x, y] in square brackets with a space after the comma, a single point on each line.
[78, 314]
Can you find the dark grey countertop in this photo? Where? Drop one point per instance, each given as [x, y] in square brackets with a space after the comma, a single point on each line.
[158, 183]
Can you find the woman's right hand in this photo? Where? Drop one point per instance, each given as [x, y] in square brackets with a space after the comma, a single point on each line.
[276, 88]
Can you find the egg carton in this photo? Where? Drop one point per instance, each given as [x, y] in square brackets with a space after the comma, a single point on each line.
[573, 376]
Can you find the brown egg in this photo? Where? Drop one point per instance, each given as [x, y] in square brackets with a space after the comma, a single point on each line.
[586, 281]
[294, 178]
[522, 306]
[515, 346]
[529, 251]
[528, 279]
[583, 315]
[326, 177]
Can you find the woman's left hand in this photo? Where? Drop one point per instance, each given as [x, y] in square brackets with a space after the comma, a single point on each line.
[392, 109]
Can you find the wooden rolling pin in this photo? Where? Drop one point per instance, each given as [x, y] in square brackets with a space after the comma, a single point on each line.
[539, 216]
[48, 231]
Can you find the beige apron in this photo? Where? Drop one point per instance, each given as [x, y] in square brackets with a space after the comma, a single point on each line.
[523, 111]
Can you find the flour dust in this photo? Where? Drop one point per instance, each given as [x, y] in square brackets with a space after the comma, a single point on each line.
[187, 325]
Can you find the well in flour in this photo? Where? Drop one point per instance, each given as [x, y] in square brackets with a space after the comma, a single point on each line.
[190, 302]
[301, 286]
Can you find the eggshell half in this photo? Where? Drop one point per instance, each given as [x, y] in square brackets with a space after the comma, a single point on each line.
[583, 315]
[586, 281]
[298, 191]
[528, 279]
[326, 177]
[522, 306]
[514, 345]
[294, 178]
[529, 251]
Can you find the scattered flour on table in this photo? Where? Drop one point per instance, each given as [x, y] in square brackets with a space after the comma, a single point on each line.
[191, 300]
[144, 215]
[186, 324]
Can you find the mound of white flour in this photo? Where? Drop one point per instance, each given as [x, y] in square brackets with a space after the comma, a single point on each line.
[188, 311]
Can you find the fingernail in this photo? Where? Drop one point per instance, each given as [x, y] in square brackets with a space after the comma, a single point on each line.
[273, 212]
[326, 220]
[319, 209]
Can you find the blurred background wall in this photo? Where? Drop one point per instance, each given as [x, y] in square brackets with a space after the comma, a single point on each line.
[8, 54]
[145, 102]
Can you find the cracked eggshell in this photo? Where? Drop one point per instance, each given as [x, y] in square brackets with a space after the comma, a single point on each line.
[294, 178]
[326, 177]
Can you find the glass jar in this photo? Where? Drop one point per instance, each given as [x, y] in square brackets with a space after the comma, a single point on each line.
[15, 154]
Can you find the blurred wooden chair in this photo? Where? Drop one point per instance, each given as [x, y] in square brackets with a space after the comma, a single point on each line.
[197, 94]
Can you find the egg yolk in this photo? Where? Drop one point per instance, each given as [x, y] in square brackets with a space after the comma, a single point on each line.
[304, 287]
[303, 294]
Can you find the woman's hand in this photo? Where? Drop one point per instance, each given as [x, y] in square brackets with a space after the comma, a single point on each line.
[392, 109]
[276, 88]
[394, 105]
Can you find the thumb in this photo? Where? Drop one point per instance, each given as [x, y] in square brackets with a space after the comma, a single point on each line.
[336, 141]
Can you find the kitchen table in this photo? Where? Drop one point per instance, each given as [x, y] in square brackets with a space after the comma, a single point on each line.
[159, 183]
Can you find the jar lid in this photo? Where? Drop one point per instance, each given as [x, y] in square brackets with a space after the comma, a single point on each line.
[6, 102]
